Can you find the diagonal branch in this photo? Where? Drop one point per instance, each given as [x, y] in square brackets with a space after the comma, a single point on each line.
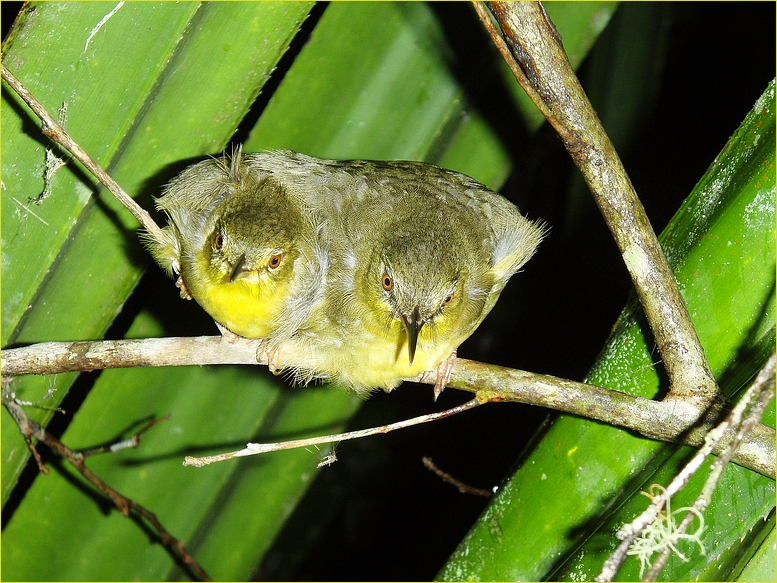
[32, 430]
[532, 48]
[53, 130]
[257, 448]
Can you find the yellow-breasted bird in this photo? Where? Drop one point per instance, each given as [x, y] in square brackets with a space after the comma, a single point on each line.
[245, 246]
[419, 256]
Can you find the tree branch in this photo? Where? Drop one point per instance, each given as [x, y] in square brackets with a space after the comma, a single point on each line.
[532, 48]
[56, 132]
[675, 420]
[32, 430]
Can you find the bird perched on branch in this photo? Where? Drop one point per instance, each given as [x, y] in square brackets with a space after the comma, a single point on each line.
[362, 273]
[418, 257]
[245, 247]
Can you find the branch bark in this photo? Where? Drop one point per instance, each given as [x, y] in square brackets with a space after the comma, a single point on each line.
[532, 48]
[675, 421]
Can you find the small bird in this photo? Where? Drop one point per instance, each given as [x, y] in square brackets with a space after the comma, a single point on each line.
[418, 257]
[358, 272]
[245, 246]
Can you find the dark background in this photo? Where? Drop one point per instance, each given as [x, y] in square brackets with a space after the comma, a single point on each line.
[385, 514]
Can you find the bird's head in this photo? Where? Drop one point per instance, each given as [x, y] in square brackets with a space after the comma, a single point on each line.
[420, 288]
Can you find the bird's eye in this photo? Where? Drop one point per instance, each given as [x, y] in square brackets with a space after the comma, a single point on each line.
[275, 261]
[388, 283]
[447, 300]
[218, 242]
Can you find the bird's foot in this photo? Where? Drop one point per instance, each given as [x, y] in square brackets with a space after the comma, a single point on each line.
[274, 361]
[444, 374]
[230, 336]
[264, 353]
[181, 285]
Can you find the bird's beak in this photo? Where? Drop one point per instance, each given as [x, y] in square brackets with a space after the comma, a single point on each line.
[237, 268]
[413, 326]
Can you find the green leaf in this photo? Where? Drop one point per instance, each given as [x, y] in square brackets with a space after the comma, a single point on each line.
[581, 482]
[91, 259]
[761, 565]
[160, 86]
[412, 106]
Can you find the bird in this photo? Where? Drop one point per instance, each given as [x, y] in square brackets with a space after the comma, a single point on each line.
[244, 246]
[418, 256]
[362, 273]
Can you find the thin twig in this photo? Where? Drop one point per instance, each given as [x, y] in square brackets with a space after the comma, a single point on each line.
[32, 430]
[131, 442]
[257, 448]
[758, 395]
[533, 50]
[446, 477]
[676, 421]
[54, 131]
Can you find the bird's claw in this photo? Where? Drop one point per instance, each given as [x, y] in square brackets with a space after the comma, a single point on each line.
[181, 285]
[228, 335]
[274, 363]
[270, 354]
[263, 353]
[444, 374]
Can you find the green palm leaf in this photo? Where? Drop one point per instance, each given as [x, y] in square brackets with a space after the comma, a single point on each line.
[161, 84]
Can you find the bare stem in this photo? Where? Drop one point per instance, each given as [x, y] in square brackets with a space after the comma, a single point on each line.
[257, 448]
[131, 442]
[532, 48]
[447, 478]
[54, 131]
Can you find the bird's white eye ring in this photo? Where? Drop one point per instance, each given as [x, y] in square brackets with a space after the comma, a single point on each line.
[275, 261]
[387, 282]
